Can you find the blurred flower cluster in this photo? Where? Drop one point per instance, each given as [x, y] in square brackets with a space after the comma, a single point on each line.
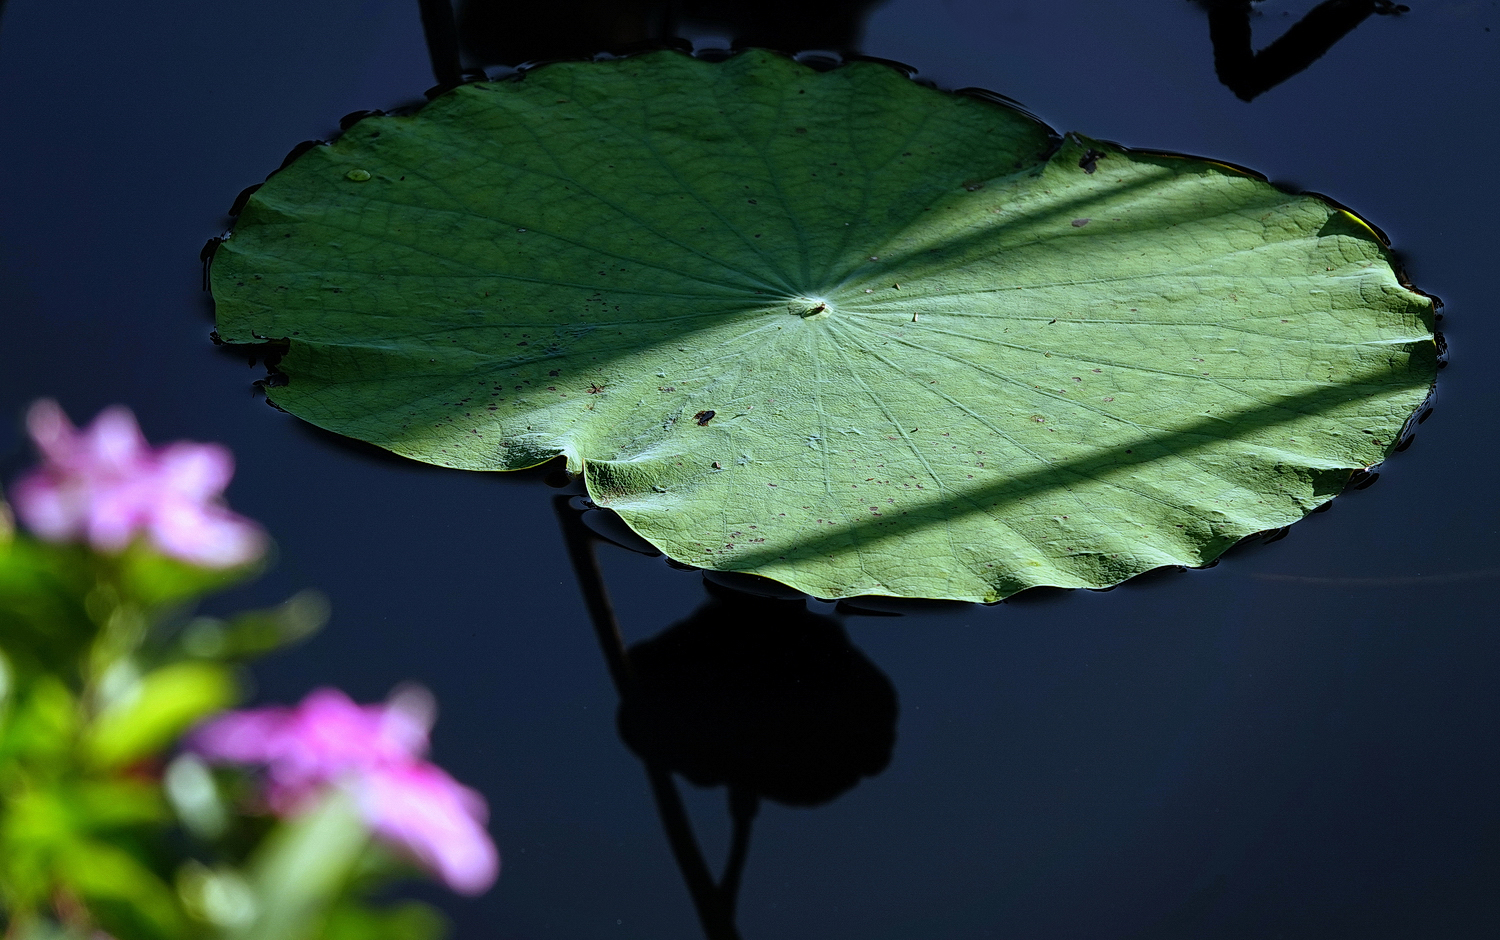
[132, 805]
[106, 486]
[374, 752]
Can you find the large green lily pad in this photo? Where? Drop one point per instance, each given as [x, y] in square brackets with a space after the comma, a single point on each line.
[837, 328]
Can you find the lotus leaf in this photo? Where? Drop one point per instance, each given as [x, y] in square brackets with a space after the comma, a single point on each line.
[835, 328]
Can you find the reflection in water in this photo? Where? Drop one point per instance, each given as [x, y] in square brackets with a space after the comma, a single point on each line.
[755, 693]
[762, 695]
[442, 40]
[509, 33]
[1248, 73]
[501, 32]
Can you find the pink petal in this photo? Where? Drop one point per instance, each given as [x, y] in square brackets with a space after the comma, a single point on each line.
[328, 735]
[55, 509]
[197, 471]
[106, 485]
[117, 508]
[372, 749]
[210, 536]
[407, 717]
[251, 736]
[438, 820]
[322, 739]
[51, 431]
[114, 443]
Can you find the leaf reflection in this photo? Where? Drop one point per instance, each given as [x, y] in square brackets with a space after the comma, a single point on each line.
[752, 692]
[498, 32]
[763, 695]
[1248, 73]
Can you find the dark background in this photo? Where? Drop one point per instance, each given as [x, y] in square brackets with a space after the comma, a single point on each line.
[1300, 742]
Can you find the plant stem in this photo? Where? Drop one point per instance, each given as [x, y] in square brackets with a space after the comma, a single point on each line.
[580, 544]
[442, 40]
[715, 909]
[743, 805]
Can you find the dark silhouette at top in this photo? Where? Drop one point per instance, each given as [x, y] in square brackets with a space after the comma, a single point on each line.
[504, 32]
[1248, 73]
[442, 41]
[495, 32]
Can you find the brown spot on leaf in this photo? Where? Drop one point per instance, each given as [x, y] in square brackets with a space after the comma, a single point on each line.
[1089, 162]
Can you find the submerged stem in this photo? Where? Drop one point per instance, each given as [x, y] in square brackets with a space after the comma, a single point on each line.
[715, 907]
[441, 32]
[743, 805]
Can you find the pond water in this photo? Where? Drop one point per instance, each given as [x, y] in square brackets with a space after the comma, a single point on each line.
[1299, 742]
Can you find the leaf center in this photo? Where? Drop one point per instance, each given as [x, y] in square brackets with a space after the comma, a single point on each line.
[810, 308]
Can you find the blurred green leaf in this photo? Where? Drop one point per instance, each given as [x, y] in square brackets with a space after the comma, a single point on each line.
[408, 921]
[195, 797]
[153, 579]
[259, 631]
[7, 685]
[34, 824]
[303, 867]
[117, 802]
[48, 841]
[43, 724]
[166, 702]
[48, 930]
[43, 620]
[221, 897]
[129, 900]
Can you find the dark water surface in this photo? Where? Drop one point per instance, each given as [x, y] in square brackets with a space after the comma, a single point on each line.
[1298, 743]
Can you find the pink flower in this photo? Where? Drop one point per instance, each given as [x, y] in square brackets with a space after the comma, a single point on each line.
[375, 751]
[436, 818]
[106, 485]
[307, 747]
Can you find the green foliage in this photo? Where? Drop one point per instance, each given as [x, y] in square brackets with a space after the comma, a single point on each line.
[92, 697]
[408, 921]
[101, 671]
[161, 706]
[838, 329]
[44, 620]
[302, 868]
[66, 830]
[256, 632]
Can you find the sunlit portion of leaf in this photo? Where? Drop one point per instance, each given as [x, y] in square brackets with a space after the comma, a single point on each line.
[835, 328]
